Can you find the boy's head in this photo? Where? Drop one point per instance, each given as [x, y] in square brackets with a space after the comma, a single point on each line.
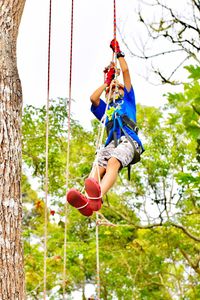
[115, 91]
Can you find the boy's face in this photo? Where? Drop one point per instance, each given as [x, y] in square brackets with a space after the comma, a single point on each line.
[116, 93]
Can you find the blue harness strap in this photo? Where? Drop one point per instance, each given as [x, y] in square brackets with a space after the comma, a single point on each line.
[117, 119]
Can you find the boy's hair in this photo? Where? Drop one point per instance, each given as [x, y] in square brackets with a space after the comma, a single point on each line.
[119, 85]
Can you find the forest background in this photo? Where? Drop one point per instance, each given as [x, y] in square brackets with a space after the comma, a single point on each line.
[153, 250]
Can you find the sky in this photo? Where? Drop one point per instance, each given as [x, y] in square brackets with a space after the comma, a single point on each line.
[92, 33]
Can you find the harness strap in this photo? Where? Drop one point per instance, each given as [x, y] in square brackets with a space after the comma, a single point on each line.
[129, 172]
[124, 120]
[136, 157]
[130, 123]
[126, 134]
[115, 132]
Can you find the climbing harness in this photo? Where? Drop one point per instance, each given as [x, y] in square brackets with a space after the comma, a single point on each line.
[124, 121]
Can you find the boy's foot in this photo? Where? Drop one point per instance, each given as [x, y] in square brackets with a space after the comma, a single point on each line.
[79, 201]
[93, 191]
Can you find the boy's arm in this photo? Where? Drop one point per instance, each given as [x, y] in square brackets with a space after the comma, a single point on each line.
[95, 97]
[123, 64]
[125, 73]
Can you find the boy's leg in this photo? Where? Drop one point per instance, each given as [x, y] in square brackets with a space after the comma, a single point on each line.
[93, 188]
[121, 156]
[104, 156]
[111, 174]
[108, 175]
[105, 174]
[98, 173]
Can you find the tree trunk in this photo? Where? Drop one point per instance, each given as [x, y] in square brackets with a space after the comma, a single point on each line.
[11, 253]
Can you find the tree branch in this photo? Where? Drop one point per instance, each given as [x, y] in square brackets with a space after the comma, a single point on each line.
[195, 267]
[150, 226]
[197, 4]
[178, 19]
[195, 238]
[144, 56]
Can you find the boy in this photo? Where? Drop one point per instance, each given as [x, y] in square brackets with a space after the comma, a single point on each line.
[122, 144]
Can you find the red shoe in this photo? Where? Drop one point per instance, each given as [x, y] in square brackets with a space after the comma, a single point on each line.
[93, 191]
[79, 201]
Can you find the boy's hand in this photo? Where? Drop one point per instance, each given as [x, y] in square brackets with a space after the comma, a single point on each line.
[114, 45]
[109, 75]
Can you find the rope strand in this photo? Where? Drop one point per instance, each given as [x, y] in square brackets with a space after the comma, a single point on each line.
[115, 23]
[68, 149]
[95, 165]
[98, 287]
[115, 32]
[46, 153]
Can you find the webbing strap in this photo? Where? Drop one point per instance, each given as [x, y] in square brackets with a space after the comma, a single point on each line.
[136, 157]
[126, 134]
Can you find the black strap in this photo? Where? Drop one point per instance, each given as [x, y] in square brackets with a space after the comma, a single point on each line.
[136, 157]
[125, 121]
[129, 172]
[115, 138]
[109, 126]
[130, 123]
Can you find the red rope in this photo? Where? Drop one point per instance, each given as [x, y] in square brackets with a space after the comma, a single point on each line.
[47, 150]
[49, 49]
[115, 29]
[71, 48]
[115, 23]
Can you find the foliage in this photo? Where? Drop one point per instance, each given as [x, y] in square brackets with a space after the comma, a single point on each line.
[187, 106]
[34, 126]
[151, 251]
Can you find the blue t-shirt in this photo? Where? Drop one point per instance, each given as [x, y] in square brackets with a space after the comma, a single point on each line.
[125, 106]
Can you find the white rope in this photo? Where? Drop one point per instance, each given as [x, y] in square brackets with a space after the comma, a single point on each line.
[82, 206]
[100, 134]
[68, 152]
[96, 167]
[98, 293]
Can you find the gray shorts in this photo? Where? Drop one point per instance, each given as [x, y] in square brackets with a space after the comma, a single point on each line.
[124, 152]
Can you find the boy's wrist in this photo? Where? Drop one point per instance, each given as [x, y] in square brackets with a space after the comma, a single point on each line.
[120, 54]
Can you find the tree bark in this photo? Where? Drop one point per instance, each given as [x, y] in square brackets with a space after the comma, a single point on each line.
[11, 251]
